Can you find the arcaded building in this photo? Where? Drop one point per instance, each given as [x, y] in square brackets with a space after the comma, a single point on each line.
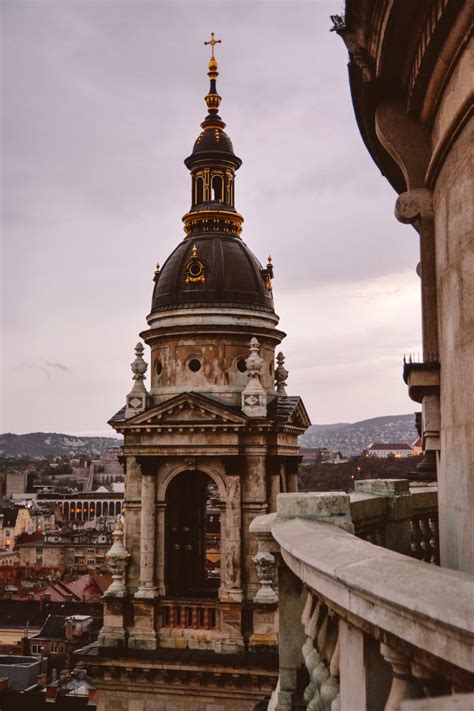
[191, 618]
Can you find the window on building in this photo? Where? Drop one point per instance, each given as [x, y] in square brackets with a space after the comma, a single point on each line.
[91, 561]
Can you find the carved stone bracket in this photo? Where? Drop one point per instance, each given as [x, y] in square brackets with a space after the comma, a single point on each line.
[265, 564]
[413, 205]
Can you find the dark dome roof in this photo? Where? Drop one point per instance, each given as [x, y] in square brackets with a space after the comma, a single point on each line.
[232, 276]
[213, 143]
[213, 139]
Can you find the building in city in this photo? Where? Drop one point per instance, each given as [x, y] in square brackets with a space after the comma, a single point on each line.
[206, 449]
[386, 450]
[63, 634]
[67, 549]
[85, 506]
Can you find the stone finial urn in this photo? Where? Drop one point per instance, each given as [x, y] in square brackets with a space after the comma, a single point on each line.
[137, 399]
[117, 560]
[265, 564]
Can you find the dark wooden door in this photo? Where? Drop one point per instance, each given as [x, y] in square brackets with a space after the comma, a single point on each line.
[185, 536]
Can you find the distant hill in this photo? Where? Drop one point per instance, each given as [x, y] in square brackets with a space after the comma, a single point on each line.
[52, 444]
[352, 438]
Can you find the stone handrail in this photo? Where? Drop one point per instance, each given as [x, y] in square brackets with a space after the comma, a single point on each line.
[372, 627]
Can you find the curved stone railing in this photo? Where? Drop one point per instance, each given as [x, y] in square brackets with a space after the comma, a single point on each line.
[363, 627]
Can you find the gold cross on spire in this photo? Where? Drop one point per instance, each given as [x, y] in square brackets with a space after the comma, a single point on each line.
[213, 42]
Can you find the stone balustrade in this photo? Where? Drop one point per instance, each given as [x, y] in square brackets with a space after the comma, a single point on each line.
[363, 626]
[192, 615]
[393, 514]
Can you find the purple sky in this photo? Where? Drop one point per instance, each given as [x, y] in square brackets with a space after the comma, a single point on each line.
[102, 102]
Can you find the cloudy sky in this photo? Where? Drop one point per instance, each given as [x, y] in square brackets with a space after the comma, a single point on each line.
[102, 102]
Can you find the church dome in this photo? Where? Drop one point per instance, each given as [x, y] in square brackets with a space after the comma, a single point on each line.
[212, 270]
[215, 142]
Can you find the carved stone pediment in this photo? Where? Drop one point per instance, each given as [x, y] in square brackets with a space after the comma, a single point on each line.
[187, 409]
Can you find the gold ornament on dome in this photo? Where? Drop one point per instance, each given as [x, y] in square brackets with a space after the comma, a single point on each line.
[268, 275]
[195, 270]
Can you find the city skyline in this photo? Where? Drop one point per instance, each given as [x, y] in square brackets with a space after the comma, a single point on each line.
[103, 102]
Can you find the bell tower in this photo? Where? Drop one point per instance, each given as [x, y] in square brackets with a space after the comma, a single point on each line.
[207, 448]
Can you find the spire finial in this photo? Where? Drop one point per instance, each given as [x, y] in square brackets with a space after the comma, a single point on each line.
[281, 375]
[213, 99]
[137, 398]
[213, 42]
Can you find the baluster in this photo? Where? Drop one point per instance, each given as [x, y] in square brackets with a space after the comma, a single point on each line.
[434, 540]
[403, 685]
[206, 618]
[425, 539]
[172, 616]
[194, 614]
[306, 614]
[416, 538]
[330, 687]
[320, 672]
[310, 654]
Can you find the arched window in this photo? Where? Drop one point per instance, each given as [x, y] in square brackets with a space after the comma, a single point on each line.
[98, 508]
[117, 507]
[199, 191]
[217, 188]
[66, 509]
[193, 536]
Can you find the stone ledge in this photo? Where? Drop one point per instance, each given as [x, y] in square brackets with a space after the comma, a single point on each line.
[330, 507]
[406, 598]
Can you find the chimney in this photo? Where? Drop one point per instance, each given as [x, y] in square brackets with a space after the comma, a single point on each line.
[52, 693]
[92, 701]
[25, 647]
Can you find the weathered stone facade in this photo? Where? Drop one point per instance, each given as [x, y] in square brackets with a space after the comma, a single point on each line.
[411, 81]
